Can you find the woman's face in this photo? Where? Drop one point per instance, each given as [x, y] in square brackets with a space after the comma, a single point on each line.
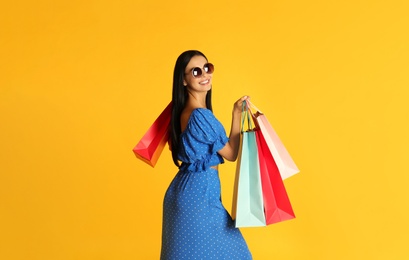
[202, 83]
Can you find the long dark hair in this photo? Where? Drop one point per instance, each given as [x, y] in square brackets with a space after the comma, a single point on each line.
[179, 99]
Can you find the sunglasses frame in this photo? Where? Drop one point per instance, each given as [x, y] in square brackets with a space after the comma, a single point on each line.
[202, 70]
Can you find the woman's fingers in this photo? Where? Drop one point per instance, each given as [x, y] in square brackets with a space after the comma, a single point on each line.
[238, 105]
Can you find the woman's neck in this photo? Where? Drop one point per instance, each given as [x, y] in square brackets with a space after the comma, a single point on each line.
[197, 100]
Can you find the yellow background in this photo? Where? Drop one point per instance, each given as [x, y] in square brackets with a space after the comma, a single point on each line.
[81, 81]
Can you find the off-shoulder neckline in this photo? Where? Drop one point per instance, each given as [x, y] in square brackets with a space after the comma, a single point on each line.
[190, 117]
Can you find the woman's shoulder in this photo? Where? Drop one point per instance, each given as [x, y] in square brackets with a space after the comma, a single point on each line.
[201, 111]
[189, 114]
[201, 114]
[197, 116]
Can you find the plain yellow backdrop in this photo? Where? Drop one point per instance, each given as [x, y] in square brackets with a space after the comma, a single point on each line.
[81, 81]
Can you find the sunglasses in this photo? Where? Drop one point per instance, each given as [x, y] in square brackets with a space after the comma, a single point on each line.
[197, 72]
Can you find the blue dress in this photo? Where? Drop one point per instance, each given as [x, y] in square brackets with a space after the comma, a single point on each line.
[195, 223]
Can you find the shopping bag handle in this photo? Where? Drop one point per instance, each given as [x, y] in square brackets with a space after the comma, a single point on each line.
[254, 116]
[245, 114]
[251, 105]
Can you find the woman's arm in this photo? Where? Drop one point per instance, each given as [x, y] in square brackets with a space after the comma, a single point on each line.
[231, 149]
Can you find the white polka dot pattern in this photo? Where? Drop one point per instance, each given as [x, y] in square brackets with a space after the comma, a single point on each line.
[195, 223]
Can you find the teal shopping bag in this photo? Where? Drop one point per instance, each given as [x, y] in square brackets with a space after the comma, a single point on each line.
[248, 207]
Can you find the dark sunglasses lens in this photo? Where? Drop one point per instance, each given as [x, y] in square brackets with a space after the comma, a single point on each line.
[197, 72]
[209, 68]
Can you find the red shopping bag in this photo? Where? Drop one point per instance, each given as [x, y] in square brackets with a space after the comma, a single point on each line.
[150, 147]
[277, 206]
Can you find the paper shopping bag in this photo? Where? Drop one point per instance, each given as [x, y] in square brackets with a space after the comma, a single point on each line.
[284, 162]
[277, 206]
[150, 147]
[248, 208]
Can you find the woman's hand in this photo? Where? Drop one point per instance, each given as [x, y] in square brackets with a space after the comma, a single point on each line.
[238, 105]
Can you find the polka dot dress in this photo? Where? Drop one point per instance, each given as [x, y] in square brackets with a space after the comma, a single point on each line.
[195, 223]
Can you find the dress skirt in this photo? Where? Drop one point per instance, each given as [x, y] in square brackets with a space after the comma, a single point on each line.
[195, 223]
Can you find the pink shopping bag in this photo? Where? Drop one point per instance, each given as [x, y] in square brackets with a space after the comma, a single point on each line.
[284, 162]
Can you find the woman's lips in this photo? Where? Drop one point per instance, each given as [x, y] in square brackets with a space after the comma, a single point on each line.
[204, 82]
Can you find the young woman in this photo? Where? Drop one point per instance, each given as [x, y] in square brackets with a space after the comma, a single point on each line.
[195, 223]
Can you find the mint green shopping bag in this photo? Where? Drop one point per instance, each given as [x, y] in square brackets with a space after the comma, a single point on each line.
[248, 207]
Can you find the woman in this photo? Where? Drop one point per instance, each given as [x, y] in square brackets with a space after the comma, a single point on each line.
[195, 223]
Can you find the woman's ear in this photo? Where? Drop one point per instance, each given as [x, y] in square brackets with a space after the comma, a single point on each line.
[184, 83]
